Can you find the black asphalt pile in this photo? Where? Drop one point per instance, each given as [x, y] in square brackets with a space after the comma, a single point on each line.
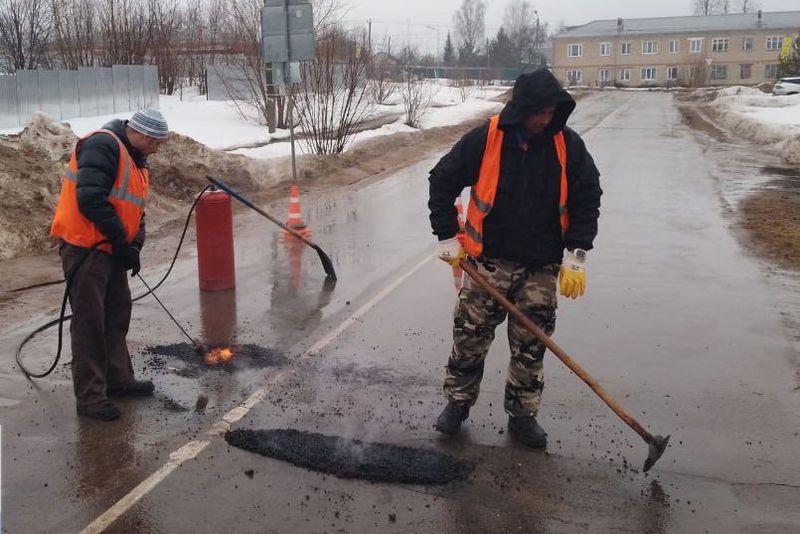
[349, 458]
[246, 356]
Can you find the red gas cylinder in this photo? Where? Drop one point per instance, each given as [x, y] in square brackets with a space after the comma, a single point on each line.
[214, 222]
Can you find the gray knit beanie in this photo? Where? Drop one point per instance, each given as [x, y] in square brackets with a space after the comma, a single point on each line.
[149, 122]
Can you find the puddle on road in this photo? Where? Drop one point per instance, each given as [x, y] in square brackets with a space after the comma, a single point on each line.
[349, 458]
[246, 356]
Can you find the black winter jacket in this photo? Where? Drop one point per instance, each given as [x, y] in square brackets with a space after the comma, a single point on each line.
[523, 225]
[98, 158]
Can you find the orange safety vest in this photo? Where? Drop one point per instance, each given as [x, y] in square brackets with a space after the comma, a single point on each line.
[483, 193]
[128, 196]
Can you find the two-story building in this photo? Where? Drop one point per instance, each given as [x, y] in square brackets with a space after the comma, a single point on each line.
[739, 49]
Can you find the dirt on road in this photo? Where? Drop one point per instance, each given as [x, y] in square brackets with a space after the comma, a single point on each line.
[769, 217]
[772, 219]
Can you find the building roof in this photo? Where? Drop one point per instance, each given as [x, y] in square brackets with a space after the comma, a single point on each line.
[776, 20]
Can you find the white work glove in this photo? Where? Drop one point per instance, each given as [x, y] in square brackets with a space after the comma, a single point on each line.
[450, 251]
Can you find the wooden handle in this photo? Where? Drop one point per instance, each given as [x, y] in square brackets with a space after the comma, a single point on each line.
[555, 349]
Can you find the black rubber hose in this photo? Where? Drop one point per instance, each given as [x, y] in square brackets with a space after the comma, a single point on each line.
[63, 317]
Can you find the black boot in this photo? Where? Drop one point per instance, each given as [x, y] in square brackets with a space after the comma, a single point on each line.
[136, 388]
[104, 411]
[449, 421]
[528, 431]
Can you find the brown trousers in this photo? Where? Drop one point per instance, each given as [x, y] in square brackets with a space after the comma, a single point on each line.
[101, 307]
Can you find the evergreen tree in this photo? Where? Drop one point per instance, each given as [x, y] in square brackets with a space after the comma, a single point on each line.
[449, 52]
[502, 51]
[789, 61]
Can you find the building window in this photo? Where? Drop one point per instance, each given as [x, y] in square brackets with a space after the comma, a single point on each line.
[574, 76]
[625, 74]
[719, 45]
[672, 73]
[648, 74]
[649, 47]
[747, 44]
[626, 49]
[745, 71]
[674, 46]
[719, 72]
[774, 43]
[575, 50]
[696, 45]
[605, 49]
[771, 72]
[602, 76]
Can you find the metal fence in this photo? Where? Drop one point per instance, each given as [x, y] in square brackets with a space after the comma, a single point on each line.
[66, 94]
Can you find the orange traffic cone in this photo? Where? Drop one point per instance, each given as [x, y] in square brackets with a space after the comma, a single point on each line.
[458, 273]
[295, 221]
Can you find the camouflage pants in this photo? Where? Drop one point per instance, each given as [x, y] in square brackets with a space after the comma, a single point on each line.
[475, 319]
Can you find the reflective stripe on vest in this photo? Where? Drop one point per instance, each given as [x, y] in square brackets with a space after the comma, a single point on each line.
[483, 193]
[115, 192]
[128, 196]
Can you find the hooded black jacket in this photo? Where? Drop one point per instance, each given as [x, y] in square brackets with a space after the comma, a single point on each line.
[524, 225]
[98, 158]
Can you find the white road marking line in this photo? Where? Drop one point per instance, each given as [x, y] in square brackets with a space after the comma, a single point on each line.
[187, 452]
[193, 448]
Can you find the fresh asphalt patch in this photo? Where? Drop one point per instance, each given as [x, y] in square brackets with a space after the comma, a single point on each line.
[246, 356]
[352, 458]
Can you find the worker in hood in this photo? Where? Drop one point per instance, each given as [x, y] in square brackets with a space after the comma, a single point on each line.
[99, 223]
[531, 219]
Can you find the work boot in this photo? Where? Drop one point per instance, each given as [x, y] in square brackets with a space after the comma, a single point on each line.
[136, 388]
[449, 421]
[528, 431]
[104, 411]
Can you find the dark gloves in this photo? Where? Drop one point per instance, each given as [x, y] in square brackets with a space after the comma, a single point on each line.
[128, 257]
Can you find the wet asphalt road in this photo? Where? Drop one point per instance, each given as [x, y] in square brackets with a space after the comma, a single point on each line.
[678, 323]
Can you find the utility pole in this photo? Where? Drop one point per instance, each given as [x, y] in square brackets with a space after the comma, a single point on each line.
[369, 36]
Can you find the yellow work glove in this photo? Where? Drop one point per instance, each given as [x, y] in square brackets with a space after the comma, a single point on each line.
[572, 278]
[450, 251]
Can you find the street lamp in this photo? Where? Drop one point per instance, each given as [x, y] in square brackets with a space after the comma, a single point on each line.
[438, 40]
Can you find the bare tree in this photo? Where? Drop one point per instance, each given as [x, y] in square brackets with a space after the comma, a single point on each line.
[527, 34]
[74, 27]
[250, 88]
[167, 25]
[382, 79]
[748, 6]
[408, 56]
[463, 84]
[710, 7]
[470, 26]
[126, 32]
[334, 98]
[327, 13]
[417, 95]
[25, 27]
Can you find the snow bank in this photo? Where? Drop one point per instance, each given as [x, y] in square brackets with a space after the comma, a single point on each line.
[739, 90]
[768, 119]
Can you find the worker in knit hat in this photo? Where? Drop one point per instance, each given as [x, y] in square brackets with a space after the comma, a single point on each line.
[99, 222]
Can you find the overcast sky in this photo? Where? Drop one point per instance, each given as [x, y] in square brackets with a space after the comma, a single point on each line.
[409, 19]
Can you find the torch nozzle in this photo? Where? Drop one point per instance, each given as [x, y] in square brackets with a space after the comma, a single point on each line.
[199, 348]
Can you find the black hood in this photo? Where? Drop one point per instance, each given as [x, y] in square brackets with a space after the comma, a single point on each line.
[532, 92]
